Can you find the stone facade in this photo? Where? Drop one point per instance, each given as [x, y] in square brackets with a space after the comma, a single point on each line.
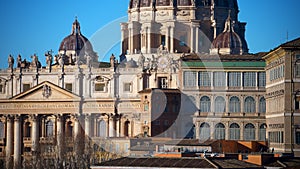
[166, 84]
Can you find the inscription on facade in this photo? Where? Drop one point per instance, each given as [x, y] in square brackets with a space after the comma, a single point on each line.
[276, 126]
[38, 106]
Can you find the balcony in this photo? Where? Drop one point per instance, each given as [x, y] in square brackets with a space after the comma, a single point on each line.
[27, 140]
[47, 140]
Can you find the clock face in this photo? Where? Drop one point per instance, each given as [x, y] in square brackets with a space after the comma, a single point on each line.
[163, 62]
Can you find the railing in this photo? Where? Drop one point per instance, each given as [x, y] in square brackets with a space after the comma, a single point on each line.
[27, 140]
[229, 114]
[47, 140]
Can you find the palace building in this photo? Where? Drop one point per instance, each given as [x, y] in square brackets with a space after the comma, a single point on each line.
[184, 72]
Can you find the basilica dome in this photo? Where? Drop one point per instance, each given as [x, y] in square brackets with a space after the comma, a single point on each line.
[154, 3]
[175, 3]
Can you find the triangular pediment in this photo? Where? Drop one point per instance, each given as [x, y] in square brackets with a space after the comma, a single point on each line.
[47, 91]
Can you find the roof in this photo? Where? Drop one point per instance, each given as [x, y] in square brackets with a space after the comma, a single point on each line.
[232, 163]
[285, 162]
[154, 90]
[228, 57]
[184, 162]
[292, 43]
[159, 162]
[224, 64]
[189, 142]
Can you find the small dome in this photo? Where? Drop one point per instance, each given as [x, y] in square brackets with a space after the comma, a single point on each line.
[131, 64]
[76, 41]
[229, 42]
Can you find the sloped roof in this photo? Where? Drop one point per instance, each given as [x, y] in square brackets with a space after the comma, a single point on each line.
[159, 162]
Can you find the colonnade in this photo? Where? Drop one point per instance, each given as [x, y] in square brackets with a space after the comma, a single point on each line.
[63, 129]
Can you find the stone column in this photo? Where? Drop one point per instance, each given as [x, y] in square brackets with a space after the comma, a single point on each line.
[212, 130]
[167, 38]
[256, 131]
[111, 127]
[242, 130]
[35, 133]
[192, 38]
[87, 125]
[148, 39]
[9, 140]
[227, 131]
[197, 130]
[227, 104]
[257, 104]
[17, 142]
[197, 39]
[117, 127]
[242, 103]
[43, 127]
[122, 125]
[172, 39]
[76, 127]
[59, 135]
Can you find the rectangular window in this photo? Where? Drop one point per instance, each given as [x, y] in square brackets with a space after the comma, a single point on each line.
[126, 147]
[163, 40]
[26, 87]
[276, 137]
[261, 79]
[204, 79]
[189, 79]
[99, 87]
[298, 57]
[162, 82]
[146, 107]
[234, 79]
[1, 88]
[297, 71]
[117, 147]
[127, 87]
[69, 86]
[219, 79]
[297, 137]
[249, 79]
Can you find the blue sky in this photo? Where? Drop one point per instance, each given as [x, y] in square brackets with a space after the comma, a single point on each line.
[35, 26]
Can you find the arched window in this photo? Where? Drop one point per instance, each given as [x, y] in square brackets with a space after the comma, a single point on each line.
[234, 105]
[126, 128]
[1, 130]
[262, 105]
[101, 132]
[220, 131]
[262, 132]
[219, 104]
[249, 105]
[27, 129]
[204, 131]
[234, 131]
[205, 104]
[249, 132]
[49, 128]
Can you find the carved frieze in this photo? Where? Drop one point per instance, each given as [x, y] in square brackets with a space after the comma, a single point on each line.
[275, 93]
[183, 13]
